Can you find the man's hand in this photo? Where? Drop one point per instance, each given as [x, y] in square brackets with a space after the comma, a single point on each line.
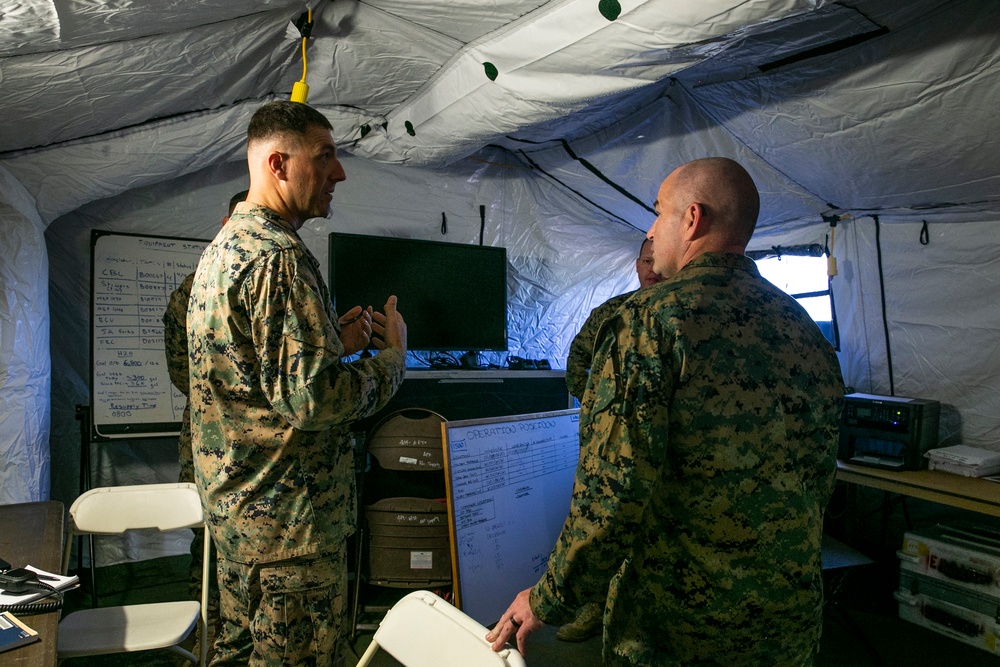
[356, 329]
[390, 329]
[518, 620]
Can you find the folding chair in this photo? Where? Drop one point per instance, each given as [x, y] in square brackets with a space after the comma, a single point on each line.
[422, 630]
[137, 627]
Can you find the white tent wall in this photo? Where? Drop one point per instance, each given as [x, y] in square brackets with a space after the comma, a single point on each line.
[941, 321]
[131, 118]
[563, 261]
[24, 347]
[936, 334]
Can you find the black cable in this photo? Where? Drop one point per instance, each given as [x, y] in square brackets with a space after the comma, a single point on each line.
[33, 608]
[579, 194]
[597, 172]
[42, 605]
[833, 316]
[482, 223]
[885, 318]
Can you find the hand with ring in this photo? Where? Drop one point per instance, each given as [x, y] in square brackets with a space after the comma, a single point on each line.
[518, 621]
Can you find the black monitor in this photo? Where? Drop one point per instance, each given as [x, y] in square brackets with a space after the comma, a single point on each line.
[453, 296]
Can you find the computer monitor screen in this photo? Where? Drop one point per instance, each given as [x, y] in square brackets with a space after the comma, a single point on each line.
[453, 296]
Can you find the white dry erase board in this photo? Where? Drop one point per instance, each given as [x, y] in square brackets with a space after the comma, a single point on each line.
[131, 279]
[509, 483]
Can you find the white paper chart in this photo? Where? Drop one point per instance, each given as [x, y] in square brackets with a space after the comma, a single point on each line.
[131, 280]
[510, 480]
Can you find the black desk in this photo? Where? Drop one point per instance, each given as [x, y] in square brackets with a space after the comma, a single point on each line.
[32, 534]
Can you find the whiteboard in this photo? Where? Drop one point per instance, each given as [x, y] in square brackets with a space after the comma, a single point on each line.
[132, 277]
[509, 482]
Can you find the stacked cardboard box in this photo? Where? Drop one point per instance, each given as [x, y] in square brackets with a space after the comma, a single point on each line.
[949, 582]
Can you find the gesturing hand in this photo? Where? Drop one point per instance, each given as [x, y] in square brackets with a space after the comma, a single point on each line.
[356, 329]
[390, 327]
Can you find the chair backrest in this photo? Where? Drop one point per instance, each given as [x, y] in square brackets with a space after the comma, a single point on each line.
[422, 630]
[111, 510]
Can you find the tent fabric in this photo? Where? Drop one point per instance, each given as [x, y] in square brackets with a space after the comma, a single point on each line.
[559, 119]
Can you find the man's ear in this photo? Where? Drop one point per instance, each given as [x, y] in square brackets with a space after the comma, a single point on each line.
[277, 164]
[696, 222]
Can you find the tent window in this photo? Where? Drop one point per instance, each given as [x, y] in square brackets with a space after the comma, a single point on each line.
[804, 279]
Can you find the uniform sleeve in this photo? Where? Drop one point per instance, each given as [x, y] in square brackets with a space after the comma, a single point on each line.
[302, 373]
[175, 335]
[623, 413]
[581, 354]
[581, 350]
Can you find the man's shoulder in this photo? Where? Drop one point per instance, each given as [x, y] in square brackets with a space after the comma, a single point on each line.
[614, 302]
[607, 308]
[249, 238]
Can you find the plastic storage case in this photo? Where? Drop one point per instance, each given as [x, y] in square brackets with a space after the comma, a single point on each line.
[949, 582]
[950, 610]
[408, 543]
[966, 555]
[409, 440]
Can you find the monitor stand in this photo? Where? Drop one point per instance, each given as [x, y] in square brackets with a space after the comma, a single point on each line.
[470, 360]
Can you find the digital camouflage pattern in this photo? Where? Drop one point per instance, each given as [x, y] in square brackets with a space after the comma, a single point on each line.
[176, 348]
[581, 350]
[291, 622]
[271, 399]
[708, 454]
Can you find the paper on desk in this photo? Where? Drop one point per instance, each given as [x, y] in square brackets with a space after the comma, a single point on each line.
[56, 581]
[964, 460]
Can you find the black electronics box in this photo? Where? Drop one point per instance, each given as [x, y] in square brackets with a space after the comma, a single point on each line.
[888, 432]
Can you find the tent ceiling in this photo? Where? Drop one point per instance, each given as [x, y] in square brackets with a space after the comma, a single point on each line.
[866, 105]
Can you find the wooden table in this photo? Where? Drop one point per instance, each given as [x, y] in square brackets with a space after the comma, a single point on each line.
[969, 493]
[32, 534]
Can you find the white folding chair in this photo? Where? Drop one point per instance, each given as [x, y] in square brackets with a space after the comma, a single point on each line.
[422, 630]
[137, 627]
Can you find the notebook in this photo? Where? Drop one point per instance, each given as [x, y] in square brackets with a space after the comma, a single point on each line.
[55, 581]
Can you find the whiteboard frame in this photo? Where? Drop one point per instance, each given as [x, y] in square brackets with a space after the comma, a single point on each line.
[456, 557]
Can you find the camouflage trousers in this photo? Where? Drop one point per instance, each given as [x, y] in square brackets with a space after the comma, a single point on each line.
[284, 613]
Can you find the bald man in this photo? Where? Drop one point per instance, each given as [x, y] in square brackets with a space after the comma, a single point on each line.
[272, 399]
[708, 438]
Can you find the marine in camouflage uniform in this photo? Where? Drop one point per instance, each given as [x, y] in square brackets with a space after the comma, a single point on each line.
[176, 348]
[709, 441]
[581, 350]
[271, 401]
[708, 437]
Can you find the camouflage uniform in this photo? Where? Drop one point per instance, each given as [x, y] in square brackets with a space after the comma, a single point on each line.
[271, 402]
[709, 434]
[176, 346]
[581, 350]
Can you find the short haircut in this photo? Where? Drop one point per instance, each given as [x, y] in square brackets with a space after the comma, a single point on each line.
[725, 189]
[643, 245]
[236, 199]
[282, 117]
